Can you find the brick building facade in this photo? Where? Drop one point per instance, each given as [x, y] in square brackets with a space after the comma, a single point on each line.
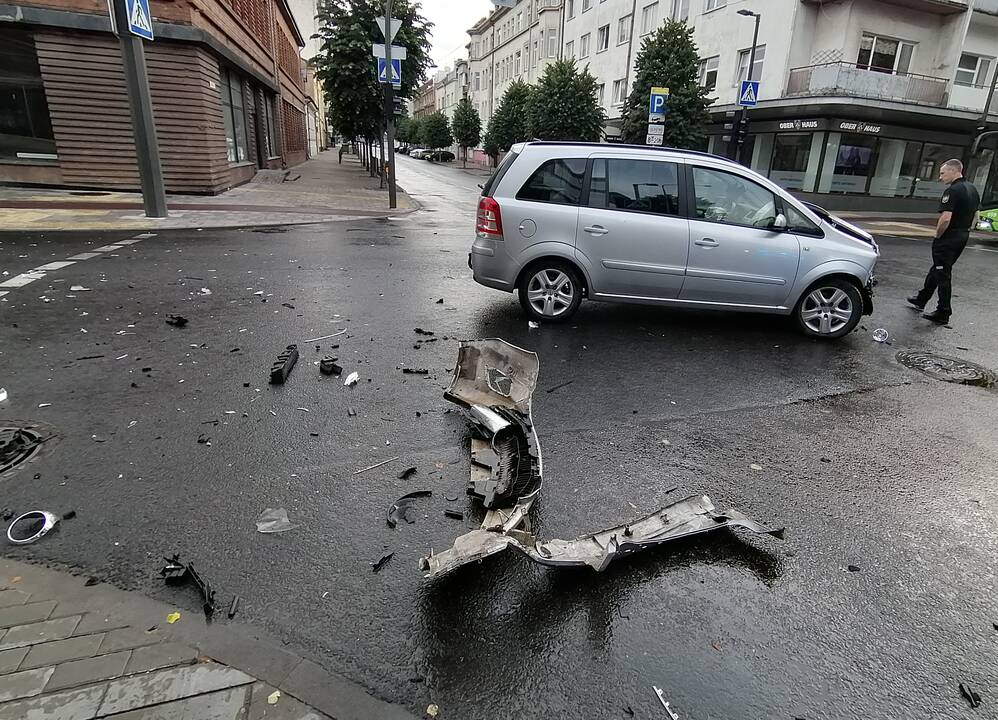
[227, 84]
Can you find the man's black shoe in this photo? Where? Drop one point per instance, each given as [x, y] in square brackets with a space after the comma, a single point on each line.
[913, 301]
[937, 317]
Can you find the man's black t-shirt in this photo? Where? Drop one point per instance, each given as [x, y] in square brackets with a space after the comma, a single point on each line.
[963, 200]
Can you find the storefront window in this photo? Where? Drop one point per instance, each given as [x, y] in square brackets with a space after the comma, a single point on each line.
[927, 184]
[795, 160]
[762, 153]
[849, 160]
[896, 169]
[25, 127]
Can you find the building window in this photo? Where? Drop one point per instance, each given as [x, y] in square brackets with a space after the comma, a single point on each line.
[586, 5]
[25, 126]
[714, 5]
[884, 55]
[600, 92]
[603, 38]
[708, 71]
[623, 29]
[743, 61]
[477, 83]
[552, 43]
[619, 91]
[570, 4]
[270, 127]
[570, 49]
[972, 70]
[649, 18]
[536, 53]
[584, 45]
[519, 21]
[234, 116]
[516, 64]
[680, 10]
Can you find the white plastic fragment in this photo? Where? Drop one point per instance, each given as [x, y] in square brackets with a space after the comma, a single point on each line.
[79, 288]
[352, 379]
[880, 335]
[273, 520]
[3, 394]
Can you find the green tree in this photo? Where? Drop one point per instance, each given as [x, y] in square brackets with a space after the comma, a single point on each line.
[467, 126]
[565, 105]
[407, 131]
[668, 58]
[509, 125]
[490, 145]
[435, 131]
[347, 29]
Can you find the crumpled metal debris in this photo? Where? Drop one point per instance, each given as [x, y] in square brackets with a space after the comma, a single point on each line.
[31, 527]
[494, 381]
[178, 573]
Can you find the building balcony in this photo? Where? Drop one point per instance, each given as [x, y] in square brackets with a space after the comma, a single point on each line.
[845, 79]
[939, 7]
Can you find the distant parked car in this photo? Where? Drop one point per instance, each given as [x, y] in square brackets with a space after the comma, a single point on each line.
[439, 156]
[418, 153]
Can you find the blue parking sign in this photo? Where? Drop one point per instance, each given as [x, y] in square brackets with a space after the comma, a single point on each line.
[139, 18]
[658, 104]
[749, 94]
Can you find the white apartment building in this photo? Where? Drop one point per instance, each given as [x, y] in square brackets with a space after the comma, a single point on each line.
[860, 100]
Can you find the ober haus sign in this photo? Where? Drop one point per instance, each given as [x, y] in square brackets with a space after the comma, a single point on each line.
[799, 125]
[859, 127]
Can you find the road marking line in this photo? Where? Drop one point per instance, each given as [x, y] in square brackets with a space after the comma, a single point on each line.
[130, 241]
[107, 248]
[54, 265]
[85, 256]
[22, 279]
[977, 247]
[3, 292]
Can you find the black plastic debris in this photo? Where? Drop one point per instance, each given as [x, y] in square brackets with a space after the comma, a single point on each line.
[400, 508]
[282, 366]
[450, 498]
[456, 514]
[351, 412]
[382, 561]
[440, 301]
[853, 568]
[415, 371]
[328, 366]
[6, 514]
[176, 320]
[178, 573]
[421, 331]
[91, 581]
[288, 305]
[70, 515]
[407, 473]
[560, 386]
[970, 694]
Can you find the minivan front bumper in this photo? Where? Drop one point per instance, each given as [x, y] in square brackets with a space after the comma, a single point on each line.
[868, 295]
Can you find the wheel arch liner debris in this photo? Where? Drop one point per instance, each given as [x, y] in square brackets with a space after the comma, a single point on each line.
[494, 381]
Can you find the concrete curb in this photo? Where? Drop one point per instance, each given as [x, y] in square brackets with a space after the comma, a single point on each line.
[238, 646]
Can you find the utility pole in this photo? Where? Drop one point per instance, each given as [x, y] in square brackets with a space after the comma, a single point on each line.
[140, 102]
[390, 108]
[739, 152]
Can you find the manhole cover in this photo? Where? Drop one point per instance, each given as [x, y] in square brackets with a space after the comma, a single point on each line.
[21, 443]
[949, 369]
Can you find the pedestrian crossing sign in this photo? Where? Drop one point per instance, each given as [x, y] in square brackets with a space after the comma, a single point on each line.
[139, 18]
[396, 72]
[749, 95]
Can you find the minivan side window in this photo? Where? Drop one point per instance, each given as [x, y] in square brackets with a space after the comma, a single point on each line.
[556, 181]
[722, 197]
[798, 222]
[491, 183]
[649, 186]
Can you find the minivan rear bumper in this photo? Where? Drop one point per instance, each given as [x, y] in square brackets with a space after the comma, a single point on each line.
[489, 266]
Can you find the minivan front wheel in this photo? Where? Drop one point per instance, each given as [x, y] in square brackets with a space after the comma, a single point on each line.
[829, 309]
[551, 291]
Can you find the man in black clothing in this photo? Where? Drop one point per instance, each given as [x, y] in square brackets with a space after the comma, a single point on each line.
[958, 210]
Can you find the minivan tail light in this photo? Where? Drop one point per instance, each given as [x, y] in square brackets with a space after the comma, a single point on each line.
[489, 218]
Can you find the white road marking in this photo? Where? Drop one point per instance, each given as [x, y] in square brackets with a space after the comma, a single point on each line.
[22, 279]
[131, 241]
[55, 265]
[978, 247]
[107, 248]
[85, 256]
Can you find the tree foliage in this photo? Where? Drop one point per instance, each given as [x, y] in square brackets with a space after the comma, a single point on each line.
[407, 131]
[490, 145]
[565, 104]
[435, 131]
[348, 72]
[509, 124]
[466, 126]
[669, 58]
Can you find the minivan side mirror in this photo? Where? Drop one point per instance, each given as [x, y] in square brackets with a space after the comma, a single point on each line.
[779, 222]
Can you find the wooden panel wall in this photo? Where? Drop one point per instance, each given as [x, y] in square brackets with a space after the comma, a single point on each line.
[85, 87]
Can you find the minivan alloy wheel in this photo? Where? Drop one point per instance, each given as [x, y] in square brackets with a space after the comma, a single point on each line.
[551, 292]
[826, 310]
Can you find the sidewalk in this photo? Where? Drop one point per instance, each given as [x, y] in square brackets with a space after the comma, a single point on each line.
[319, 190]
[71, 652]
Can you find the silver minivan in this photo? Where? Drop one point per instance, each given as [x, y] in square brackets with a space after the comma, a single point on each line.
[559, 222]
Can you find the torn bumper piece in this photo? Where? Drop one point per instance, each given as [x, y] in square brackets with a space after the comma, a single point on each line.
[691, 516]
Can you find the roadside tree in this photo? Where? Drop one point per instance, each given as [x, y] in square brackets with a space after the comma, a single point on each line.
[565, 105]
[467, 127]
[435, 131]
[509, 125]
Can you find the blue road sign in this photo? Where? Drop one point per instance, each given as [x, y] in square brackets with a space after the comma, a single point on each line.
[748, 96]
[139, 18]
[396, 72]
[658, 104]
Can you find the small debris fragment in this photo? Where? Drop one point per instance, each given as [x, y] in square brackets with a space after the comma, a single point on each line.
[970, 694]
[381, 562]
[754, 466]
[532, 325]
[407, 473]
[79, 288]
[351, 412]
[880, 335]
[205, 291]
[853, 568]
[352, 379]
[176, 320]
[44, 405]
[826, 460]
[421, 331]
[91, 581]
[451, 498]
[234, 607]
[289, 306]
[178, 573]
[326, 337]
[314, 434]
[377, 465]
[172, 617]
[274, 697]
[400, 508]
[661, 699]
[432, 710]
[456, 514]
[440, 301]
[672, 489]
[282, 366]
[415, 371]
[328, 366]
[3, 394]
[559, 387]
[259, 293]
[273, 520]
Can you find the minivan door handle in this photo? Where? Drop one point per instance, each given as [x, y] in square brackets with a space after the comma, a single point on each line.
[596, 230]
[706, 242]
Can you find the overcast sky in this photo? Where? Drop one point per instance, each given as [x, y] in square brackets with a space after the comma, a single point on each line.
[451, 20]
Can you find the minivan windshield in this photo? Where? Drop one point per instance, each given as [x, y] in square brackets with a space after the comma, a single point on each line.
[490, 185]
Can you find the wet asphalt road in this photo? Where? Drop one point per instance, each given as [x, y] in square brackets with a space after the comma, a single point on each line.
[865, 462]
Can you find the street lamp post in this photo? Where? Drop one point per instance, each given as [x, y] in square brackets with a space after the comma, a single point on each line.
[748, 76]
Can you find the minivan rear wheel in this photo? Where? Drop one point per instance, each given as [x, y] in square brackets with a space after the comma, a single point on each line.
[829, 309]
[551, 291]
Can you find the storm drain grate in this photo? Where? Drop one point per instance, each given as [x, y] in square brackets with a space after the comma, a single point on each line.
[17, 446]
[949, 369]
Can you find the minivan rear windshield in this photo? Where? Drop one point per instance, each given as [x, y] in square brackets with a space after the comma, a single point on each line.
[490, 186]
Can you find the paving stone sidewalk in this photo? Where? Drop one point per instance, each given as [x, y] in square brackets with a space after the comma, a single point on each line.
[72, 652]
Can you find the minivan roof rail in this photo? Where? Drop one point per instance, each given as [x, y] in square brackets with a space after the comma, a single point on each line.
[626, 145]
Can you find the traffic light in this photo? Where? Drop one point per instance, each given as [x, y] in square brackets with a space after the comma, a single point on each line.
[740, 127]
[398, 105]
